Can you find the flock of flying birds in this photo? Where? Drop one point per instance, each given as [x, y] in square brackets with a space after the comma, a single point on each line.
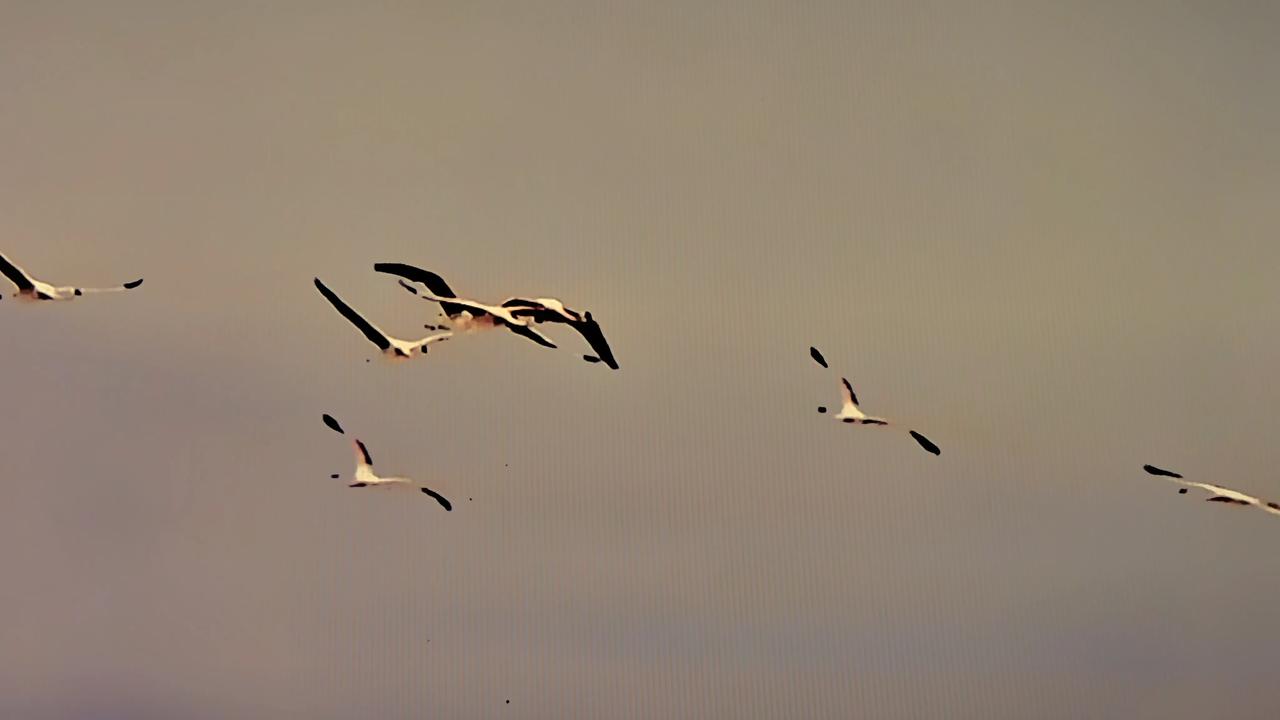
[520, 316]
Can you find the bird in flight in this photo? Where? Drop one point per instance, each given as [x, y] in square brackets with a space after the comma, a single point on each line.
[366, 478]
[30, 288]
[392, 347]
[851, 413]
[516, 314]
[463, 315]
[1217, 493]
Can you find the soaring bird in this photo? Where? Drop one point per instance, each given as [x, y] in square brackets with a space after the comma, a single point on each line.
[32, 289]
[851, 413]
[464, 315]
[366, 478]
[392, 347]
[1217, 493]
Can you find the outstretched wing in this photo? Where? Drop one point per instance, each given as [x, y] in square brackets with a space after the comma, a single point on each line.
[434, 283]
[362, 453]
[119, 288]
[16, 274]
[463, 305]
[444, 502]
[376, 336]
[1217, 493]
[591, 332]
[426, 341]
[847, 394]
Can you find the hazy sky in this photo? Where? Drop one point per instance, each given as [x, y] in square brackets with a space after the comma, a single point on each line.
[1043, 233]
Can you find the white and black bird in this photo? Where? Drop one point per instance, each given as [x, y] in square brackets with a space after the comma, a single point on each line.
[1217, 493]
[516, 314]
[851, 413]
[32, 289]
[392, 347]
[463, 315]
[365, 477]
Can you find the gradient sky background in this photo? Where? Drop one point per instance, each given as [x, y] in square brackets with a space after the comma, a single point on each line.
[1044, 233]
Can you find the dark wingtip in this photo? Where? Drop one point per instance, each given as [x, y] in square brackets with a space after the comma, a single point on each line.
[591, 358]
[822, 409]
[1160, 471]
[444, 502]
[925, 443]
[333, 424]
[817, 357]
[1182, 491]
[132, 285]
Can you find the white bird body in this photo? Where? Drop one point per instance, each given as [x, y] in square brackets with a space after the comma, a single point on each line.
[365, 476]
[849, 410]
[29, 288]
[1217, 493]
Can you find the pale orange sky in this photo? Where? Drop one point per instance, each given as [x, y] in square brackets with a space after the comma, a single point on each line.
[1044, 234]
